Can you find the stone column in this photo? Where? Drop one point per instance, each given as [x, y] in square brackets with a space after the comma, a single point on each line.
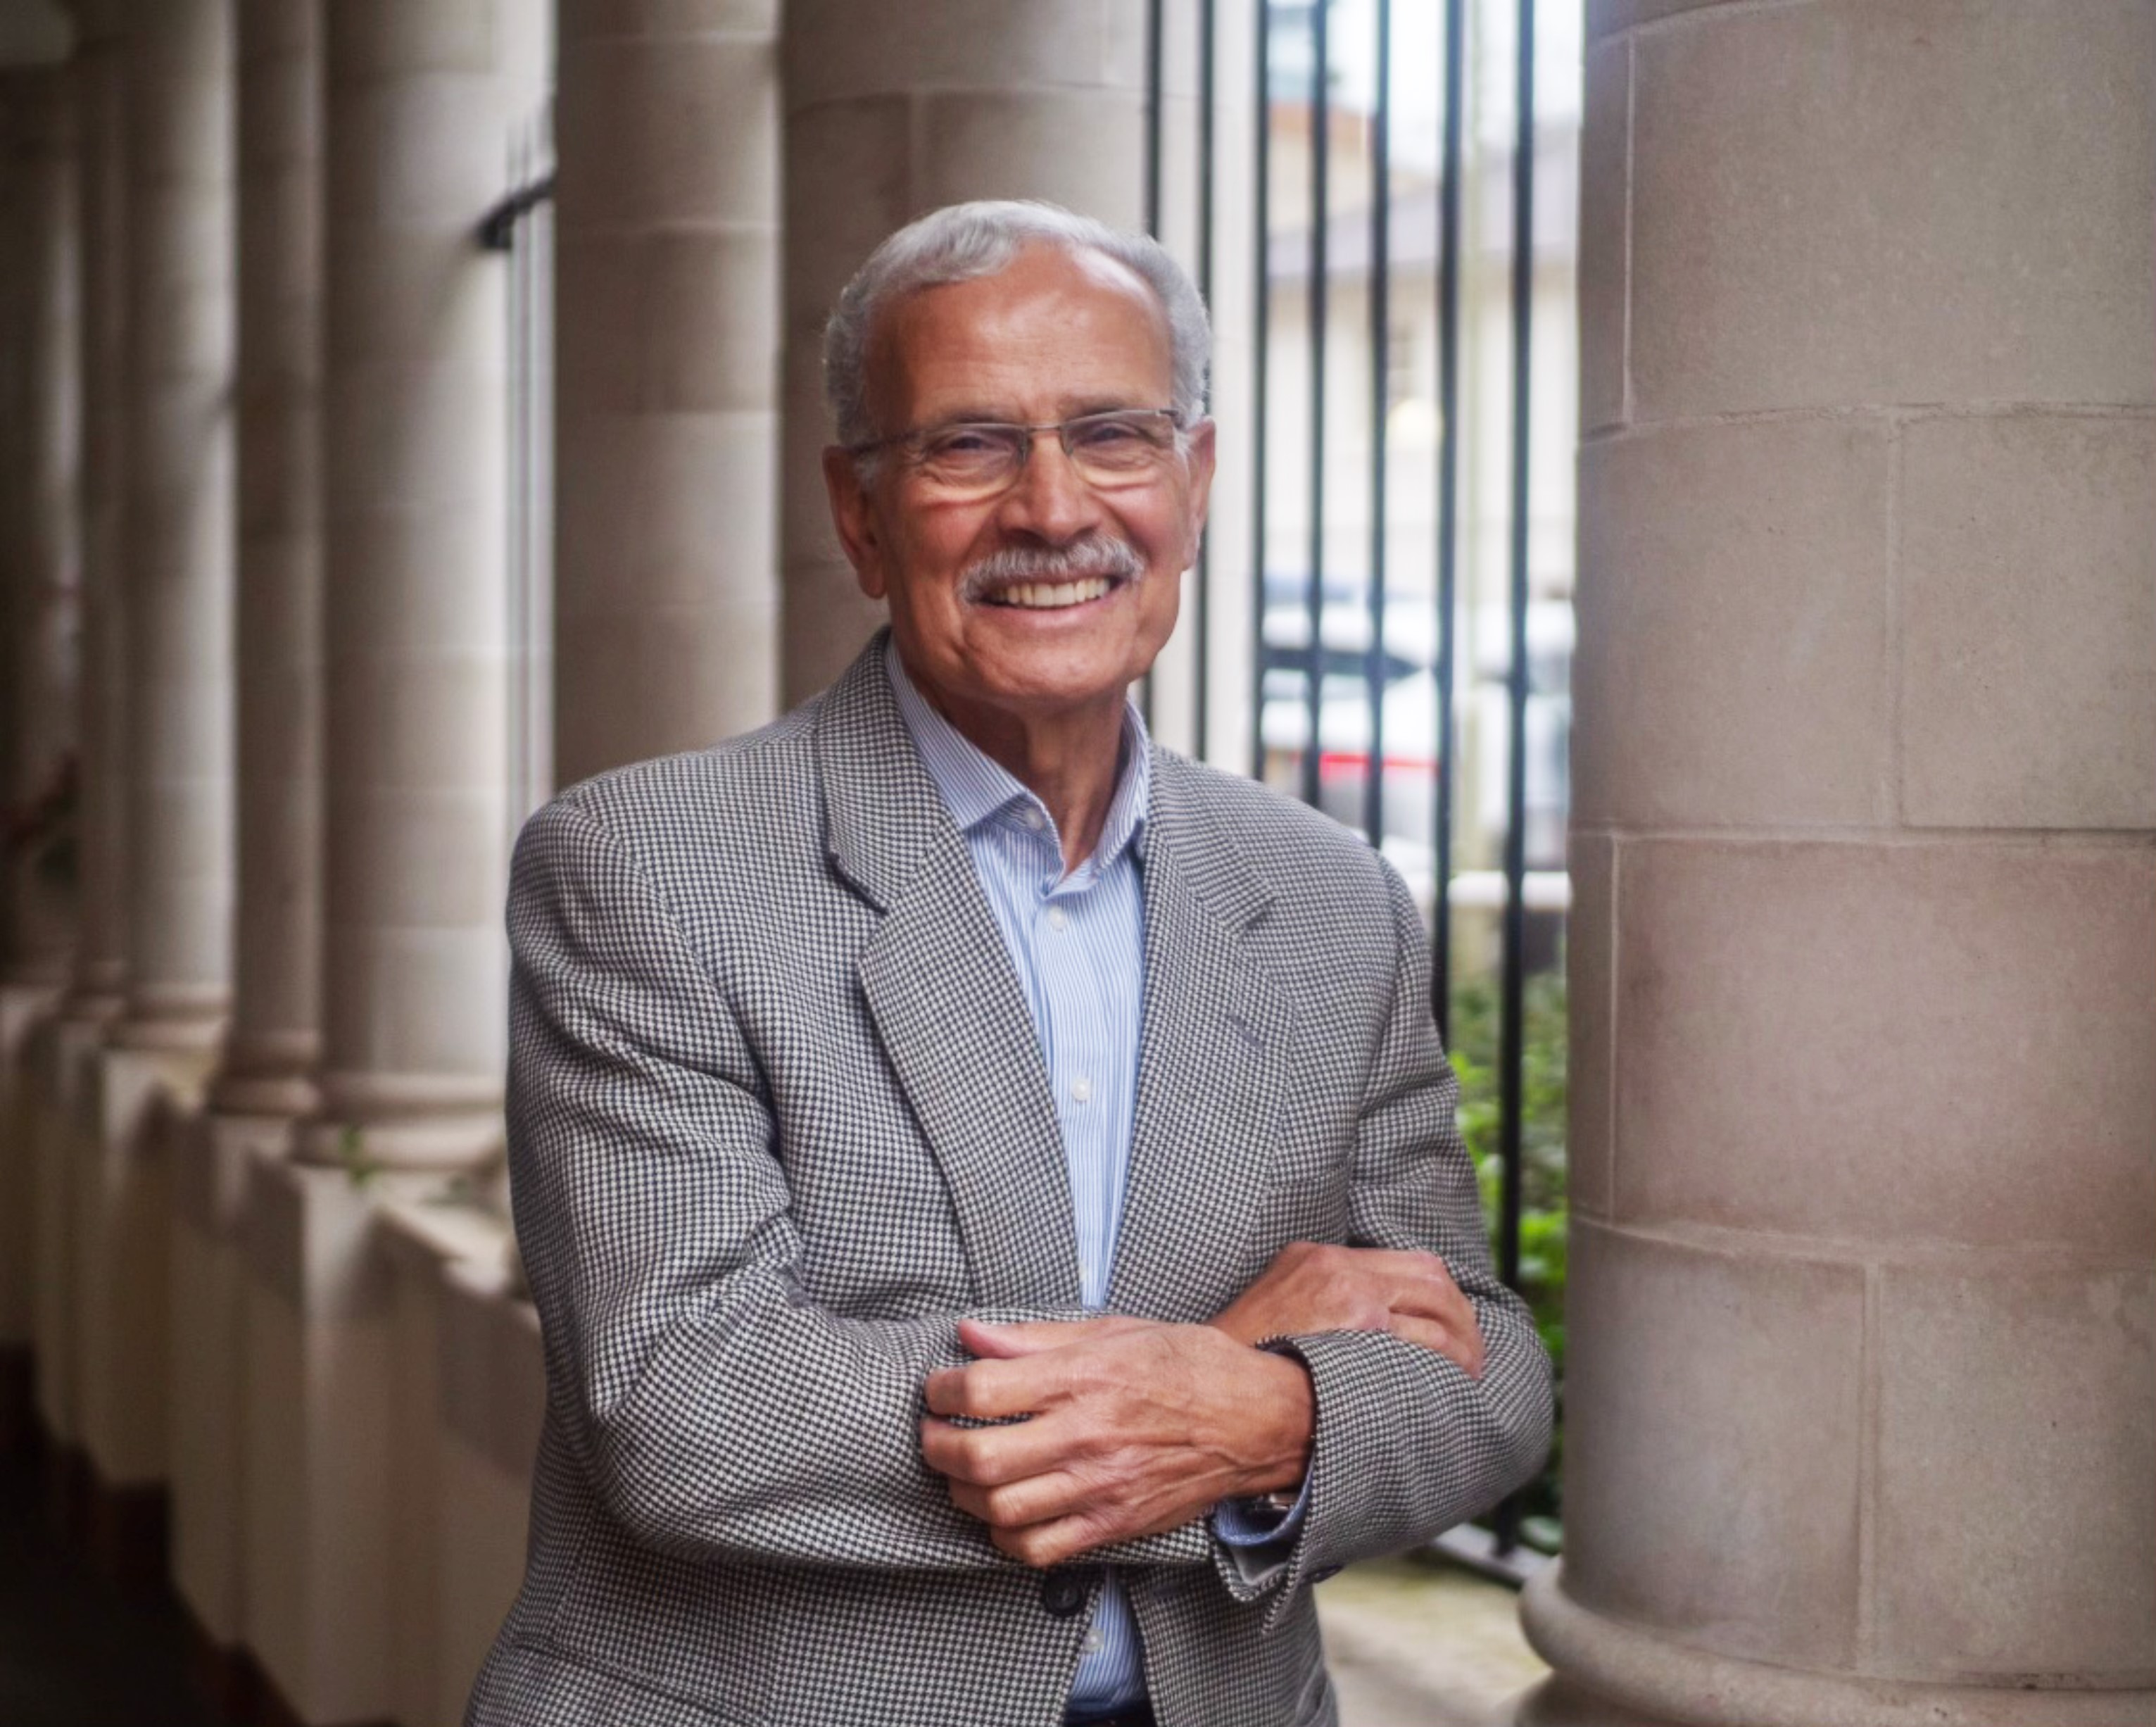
[39, 560]
[275, 1041]
[666, 322]
[891, 111]
[1862, 1411]
[101, 946]
[44, 552]
[421, 98]
[264, 1082]
[180, 524]
[96, 998]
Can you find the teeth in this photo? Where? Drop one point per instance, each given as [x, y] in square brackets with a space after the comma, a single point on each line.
[1044, 596]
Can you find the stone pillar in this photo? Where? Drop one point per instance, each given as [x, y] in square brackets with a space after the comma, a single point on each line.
[180, 524]
[42, 555]
[39, 565]
[666, 322]
[421, 98]
[73, 1051]
[891, 111]
[264, 1082]
[276, 1002]
[1861, 1408]
[101, 945]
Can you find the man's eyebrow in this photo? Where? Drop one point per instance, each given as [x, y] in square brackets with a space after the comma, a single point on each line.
[971, 413]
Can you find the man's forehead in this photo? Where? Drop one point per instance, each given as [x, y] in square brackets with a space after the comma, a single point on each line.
[1005, 308]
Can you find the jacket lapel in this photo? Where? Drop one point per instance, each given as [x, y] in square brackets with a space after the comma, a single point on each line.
[947, 1008]
[1213, 1068]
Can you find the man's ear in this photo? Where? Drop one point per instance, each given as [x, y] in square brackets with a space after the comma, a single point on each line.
[853, 514]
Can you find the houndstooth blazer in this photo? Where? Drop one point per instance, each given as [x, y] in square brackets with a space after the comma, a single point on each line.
[777, 1116]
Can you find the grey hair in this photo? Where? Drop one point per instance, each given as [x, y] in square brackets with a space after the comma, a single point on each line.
[962, 242]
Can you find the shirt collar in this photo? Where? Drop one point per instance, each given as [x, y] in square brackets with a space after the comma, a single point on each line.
[976, 789]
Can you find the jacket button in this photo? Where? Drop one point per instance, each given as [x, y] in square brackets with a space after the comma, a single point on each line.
[1063, 1593]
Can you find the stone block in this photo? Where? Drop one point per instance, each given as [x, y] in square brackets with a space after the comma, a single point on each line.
[2029, 622]
[366, 40]
[417, 438]
[668, 322]
[675, 513]
[432, 725]
[1713, 1445]
[849, 183]
[1908, 1042]
[416, 859]
[680, 131]
[591, 20]
[1086, 152]
[1732, 662]
[2017, 1501]
[385, 593]
[1798, 239]
[425, 1002]
[1590, 942]
[827, 620]
[1605, 17]
[423, 298]
[647, 684]
[1604, 238]
[427, 151]
[318, 1441]
[837, 51]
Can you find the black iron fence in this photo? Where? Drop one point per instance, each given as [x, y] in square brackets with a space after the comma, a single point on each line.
[1408, 367]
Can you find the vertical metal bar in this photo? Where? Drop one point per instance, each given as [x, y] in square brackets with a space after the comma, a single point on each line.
[1261, 319]
[1512, 1053]
[1153, 201]
[1448, 493]
[1381, 266]
[1321, 127]
[518, 406]
[1154, 28]
[1203, 682]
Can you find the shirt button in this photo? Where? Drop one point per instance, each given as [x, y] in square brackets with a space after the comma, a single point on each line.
[1056, 919]
[1033, 818]
[1081, 1090]
[1095, 1642]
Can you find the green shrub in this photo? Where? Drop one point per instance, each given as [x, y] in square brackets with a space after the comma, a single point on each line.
[1476, 1017]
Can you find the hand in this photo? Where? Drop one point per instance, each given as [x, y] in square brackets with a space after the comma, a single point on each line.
[1135, 1427]
[1312, 1286]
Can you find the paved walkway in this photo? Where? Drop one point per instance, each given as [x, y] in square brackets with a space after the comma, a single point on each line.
[1414, 1645]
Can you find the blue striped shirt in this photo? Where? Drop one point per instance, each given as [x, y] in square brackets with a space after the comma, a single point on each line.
[1077, 943]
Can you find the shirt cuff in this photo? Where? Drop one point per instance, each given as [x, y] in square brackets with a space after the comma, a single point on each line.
[1253, 1523]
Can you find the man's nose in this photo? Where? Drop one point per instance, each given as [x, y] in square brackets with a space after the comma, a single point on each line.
[1049, 499]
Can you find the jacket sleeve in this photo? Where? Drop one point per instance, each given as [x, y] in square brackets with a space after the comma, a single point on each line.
[1407, 1444]
[719, 1411]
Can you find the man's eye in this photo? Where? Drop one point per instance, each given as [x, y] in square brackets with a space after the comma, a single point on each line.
[1109, 435]
[964, 441]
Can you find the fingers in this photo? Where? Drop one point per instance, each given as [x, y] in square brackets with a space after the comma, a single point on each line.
[1019, 1505]
[1463, 1352]
[1006, 1343]
[988, 1391]
[990, 1457]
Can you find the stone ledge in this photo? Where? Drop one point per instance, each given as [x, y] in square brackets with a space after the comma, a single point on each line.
[1651, 1678]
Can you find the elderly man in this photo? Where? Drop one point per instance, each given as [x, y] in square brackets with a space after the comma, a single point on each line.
[989, 1185]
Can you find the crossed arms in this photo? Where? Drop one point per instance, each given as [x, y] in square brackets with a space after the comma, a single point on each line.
[721, 1412]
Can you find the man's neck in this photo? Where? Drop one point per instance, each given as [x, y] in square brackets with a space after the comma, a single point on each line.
[1071, 760]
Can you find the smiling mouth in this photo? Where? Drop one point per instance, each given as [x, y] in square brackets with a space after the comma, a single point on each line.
[1050, 596]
